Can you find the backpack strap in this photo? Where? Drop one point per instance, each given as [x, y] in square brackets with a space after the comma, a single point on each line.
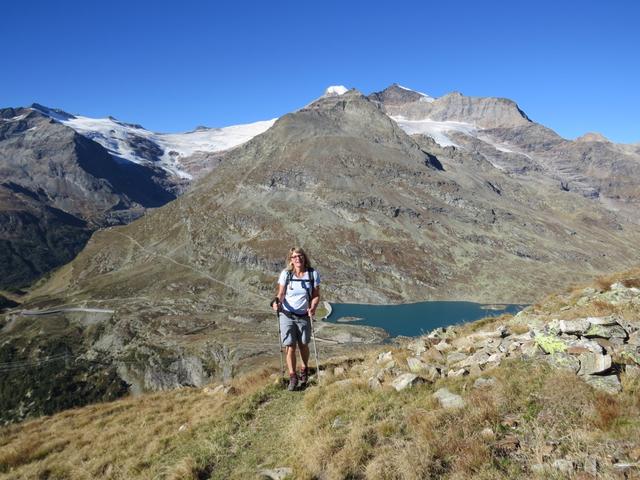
[311, 281]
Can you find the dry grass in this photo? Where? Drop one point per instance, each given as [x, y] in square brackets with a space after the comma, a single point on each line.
[110, 440]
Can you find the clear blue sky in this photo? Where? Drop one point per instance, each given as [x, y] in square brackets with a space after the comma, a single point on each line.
[573, 66]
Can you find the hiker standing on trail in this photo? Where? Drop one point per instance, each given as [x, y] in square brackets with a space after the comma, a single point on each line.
[297, 299]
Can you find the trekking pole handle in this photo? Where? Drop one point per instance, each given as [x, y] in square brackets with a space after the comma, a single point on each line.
[275, 300]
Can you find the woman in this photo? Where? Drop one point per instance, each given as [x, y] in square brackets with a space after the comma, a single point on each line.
[297, 299]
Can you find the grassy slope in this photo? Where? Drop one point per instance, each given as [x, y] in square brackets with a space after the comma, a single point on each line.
[343, 429]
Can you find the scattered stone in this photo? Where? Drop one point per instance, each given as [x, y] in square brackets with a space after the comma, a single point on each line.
[442, 346]
[607, 383]
[407, 380]
[429, 372]
[563, 465]
[280, 473]
[591, 363]
[415, 364]
[457, 373]
[484, 382]
[487, 434]
[632, 371]
[385, 357]
[499, 332]
[455, 357]
[224, 389]
[374, 383]
[183, 427]
[418, 346]
[448, 399]
[339, 422]
[590, 466]
[531, 349]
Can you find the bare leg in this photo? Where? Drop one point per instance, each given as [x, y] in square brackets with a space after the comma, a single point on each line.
[304, 355]
[291, 358]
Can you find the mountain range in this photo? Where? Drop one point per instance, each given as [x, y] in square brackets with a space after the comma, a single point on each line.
[398, 196]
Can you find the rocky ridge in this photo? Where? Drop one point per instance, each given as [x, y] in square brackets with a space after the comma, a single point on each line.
[562, 334]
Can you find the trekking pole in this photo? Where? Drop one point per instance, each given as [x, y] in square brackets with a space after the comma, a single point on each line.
[279, 339]
[315, 348]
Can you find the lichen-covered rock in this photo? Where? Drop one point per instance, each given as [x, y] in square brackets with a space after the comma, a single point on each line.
[564, 361]
[606, 331]
[550, 343]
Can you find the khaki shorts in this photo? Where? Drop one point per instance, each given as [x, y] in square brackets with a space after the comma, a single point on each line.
[294, 330]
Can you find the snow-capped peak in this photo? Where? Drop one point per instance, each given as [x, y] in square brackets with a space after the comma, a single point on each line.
[167, 150]
[335, 91]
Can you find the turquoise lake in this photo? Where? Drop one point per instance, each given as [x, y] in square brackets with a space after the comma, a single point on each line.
[415, 319]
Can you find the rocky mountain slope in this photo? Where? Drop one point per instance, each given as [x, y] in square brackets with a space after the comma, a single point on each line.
[56, 187]
[387, 217]
[62, 176]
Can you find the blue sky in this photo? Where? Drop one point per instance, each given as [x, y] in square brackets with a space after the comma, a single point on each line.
[573, 66]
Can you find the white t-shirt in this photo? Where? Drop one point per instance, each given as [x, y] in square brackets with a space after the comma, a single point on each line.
[295, 298]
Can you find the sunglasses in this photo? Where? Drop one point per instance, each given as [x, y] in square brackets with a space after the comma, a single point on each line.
[296, 256]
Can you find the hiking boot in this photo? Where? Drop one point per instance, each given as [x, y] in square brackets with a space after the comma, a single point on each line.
[303, 377]
[293, 382]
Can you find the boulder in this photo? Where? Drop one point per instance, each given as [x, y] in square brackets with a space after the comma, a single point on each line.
[455, 357]
[550, 343]
[606, 331]
[607, 383]
[583, 345]
[591, 363]
[429, 372]
[574, 327]
[564, 466]
[500, 332]
[461, 372]
[407, 380]
[484, 382]
[448, 399]
[564, 361]
[605, 321]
